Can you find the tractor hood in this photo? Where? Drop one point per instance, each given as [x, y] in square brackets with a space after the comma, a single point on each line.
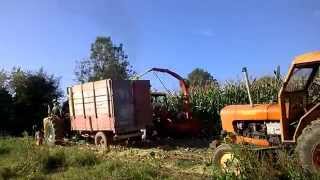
[259, 112]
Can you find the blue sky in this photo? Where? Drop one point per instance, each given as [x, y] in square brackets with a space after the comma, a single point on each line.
[219, 36]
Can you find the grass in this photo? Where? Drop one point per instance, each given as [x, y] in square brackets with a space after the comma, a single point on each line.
[21, 159]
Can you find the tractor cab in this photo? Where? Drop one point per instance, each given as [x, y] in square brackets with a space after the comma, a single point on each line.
[299, 96]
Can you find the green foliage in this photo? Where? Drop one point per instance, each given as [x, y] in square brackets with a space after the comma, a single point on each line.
[106, 61]
[6, 110]
[32, 93]
[24, 98]
[200, 77]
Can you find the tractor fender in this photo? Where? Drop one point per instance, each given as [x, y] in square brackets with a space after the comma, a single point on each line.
[305, 120]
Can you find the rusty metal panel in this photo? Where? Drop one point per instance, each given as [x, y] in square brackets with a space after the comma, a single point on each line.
[142, 103]
[123, 105]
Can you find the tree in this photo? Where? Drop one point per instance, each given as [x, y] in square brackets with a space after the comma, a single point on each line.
[6, 103]
[6, 110]
[3, 78]
[106, 61]
[32, 93]
[200, 78]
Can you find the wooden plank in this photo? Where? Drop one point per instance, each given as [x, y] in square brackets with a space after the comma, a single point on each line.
[84, 108]
[108, 100]
[71, 102]
[101, 84]
[94, 101]
[89, 100]
[78, 110]
[101, 98]
[90, 109]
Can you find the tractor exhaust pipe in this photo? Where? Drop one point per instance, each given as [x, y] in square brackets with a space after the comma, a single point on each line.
[246, 78]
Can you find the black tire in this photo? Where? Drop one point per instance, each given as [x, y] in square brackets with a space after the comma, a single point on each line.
[308, 147]
[219, 152]
[101, 139]
[53, 130]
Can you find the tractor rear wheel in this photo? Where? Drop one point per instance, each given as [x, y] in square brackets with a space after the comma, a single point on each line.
[53, 130]
[308, 147]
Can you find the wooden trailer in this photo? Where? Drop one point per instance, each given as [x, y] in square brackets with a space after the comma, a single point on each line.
[110, 109]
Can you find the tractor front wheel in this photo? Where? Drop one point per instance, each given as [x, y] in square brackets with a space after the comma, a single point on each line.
[308, 147]
[224, 158]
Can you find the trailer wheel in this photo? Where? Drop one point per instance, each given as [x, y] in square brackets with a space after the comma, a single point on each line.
[224, 158]
[101, 139]
[308, 147]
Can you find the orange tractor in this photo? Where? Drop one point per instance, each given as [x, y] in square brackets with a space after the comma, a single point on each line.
[294, 120]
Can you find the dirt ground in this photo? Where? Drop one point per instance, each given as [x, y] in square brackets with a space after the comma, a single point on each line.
[184, 158]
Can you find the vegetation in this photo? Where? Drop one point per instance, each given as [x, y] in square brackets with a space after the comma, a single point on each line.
[24, 99]
[21, 159]
[106, 61]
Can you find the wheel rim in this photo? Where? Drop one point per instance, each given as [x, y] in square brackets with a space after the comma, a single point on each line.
[230, 163]
[225, 159]
[100, 141]
[316, 156]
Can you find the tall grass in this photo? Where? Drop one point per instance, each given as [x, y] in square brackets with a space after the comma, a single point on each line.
[24, 160]
[20, 158]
